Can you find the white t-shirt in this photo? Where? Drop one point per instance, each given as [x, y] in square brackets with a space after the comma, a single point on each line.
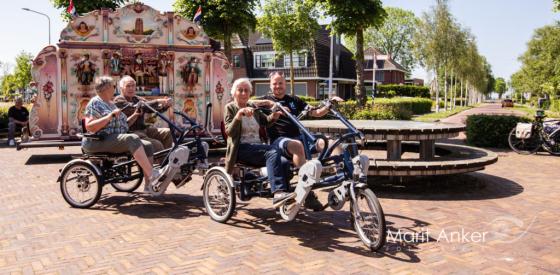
[250, 130]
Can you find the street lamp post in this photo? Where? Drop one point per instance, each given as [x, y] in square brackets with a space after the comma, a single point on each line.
[48, 18]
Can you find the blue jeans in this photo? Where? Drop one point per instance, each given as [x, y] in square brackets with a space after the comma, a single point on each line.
[281, 144]
[259, 155]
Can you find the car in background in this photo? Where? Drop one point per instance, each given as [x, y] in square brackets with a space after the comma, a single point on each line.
[507, 103]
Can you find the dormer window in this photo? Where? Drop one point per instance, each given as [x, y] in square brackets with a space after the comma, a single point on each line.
[300, 59]
[264, 60]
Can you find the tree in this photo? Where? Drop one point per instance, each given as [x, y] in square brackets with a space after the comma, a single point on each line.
[8, 84]
[85, 6]
[500, 86]
[394, 37]
[433, 42]
[352, 19]
[22, 71]
[540, 66]
[556, 5]
[291, 25]
[221, 18]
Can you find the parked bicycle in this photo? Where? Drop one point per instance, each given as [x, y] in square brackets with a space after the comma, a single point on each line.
[528, 138]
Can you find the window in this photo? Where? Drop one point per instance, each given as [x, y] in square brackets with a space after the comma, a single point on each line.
[300, 60]
[264, 60]
[262, 89]
[336, 62]
[300, 88]
[324, 90]
[379, 76]
[236, 61]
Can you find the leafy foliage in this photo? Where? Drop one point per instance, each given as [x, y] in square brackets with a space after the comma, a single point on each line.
[491, 130]
[540, 70]
[85, 6]
[291, 25]
[21, 76]
[394, 37]
[221, 18]
[403, 90]
[500, 86]
[352, 20]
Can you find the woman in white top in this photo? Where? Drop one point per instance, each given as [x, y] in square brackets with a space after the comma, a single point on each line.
[244, 144]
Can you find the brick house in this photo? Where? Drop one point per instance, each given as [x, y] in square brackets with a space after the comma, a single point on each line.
[253, 57]
[387, 71]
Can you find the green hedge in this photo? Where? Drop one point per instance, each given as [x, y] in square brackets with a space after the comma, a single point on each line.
[391, 90]
[491, 130]
[415, 105]
[387, 108]
[4, 117]
[555, 105]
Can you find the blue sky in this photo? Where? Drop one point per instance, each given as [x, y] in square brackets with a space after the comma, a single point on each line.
[502, 28]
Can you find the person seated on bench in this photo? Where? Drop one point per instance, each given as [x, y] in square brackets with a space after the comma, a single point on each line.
[103, 118]
[242, 123]
[159, 137]
[18, 119]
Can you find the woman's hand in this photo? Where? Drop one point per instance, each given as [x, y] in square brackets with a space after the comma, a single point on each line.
[247, 111]
[115, 113]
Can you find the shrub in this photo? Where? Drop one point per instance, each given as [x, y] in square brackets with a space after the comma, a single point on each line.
[555, 105]
[491, 130]
[308, 99]
[4, 117]
[414, 105]
[403, 90]
[385, 108]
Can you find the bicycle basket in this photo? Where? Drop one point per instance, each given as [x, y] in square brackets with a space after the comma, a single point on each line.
[523, 130]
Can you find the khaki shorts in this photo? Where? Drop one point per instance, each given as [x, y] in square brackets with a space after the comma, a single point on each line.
[117, 143]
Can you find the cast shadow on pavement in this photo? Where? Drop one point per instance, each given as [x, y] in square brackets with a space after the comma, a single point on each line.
[329, 231]
[49, 159]
[470, 186]
[174, 206]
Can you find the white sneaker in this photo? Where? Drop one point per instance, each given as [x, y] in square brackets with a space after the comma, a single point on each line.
[152, 180]
[12, 142]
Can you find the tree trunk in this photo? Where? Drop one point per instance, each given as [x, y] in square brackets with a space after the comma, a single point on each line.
[445, 89]
[437, 92]
[466, 93]
[292, 73]
[453, 93]
[461, 98]
[359, 89]
[227, 46]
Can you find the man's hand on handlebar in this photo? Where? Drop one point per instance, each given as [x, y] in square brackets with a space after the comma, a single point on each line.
[166, 102]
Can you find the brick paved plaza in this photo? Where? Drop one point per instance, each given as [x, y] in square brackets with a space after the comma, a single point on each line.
[512, 205]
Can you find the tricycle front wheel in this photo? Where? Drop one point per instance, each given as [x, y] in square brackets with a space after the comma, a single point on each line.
[369, 221]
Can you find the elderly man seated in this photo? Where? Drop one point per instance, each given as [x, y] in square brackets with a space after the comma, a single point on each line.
[159, 137]
[18, 119]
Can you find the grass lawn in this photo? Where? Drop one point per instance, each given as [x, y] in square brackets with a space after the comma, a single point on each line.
[530, 111]
[437, 116]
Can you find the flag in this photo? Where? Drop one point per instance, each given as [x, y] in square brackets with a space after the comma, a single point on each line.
[71, 9]
[198, 15]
